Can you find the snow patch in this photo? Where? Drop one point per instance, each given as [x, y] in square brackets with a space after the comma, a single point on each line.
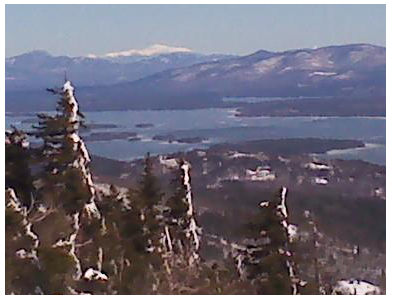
[205, 67]
[185, 77]
[318, 73]
[152, 50]
[355, 287]
[344, 76]
[231, 66]
[289, 68]
[170, 163]
[266, 65]
[260, 174]
[95, 275]
[320, 181]
[317, 166]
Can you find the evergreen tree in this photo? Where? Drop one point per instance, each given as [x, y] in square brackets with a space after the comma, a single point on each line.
[147, 198]
[17, 165]
[270, 263]
[181, 232]
[66, 187]
[124, 246]
[181, 236]
[314, 252]
[21, 261]
[141, 235]
[223, 279]
[66, 179]
[115, 243]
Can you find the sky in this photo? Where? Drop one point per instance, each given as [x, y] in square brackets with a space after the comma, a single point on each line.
[78, 30]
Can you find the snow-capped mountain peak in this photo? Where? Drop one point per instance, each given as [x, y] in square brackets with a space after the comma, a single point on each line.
[152, 50]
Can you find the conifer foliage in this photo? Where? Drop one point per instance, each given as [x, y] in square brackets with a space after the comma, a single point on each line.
[141, 235]
[64, 235]
[21, 247]
[65, 157]
[181, 232]
[269, 259]
[17, 165]
[65, 201]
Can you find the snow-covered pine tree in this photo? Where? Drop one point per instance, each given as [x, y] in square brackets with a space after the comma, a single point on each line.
[66, 187]
[65, 157]
[181, 235]
[143, 230]
[112, 252]
[32, 267]
[124, 245]
[269, 263]
[21, 261]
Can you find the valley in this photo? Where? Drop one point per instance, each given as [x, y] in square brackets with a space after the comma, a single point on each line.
[230, 180]
[196, 149]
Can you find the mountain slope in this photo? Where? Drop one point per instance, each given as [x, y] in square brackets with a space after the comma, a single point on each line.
[349, 71]
[39, 69]
[337, 70]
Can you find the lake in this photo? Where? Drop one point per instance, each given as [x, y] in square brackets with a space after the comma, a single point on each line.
[221, 125]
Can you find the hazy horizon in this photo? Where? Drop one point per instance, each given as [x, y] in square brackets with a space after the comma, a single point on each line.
[227, 29]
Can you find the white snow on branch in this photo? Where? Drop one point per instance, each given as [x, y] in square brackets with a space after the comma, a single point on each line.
[282, 209]
[95, 275]
[83, 159]
[264, 204]
[68, 89]
[92, 210]
[282, 206]
[292, 231]
[72, 243]
[168, 239]
[193, 231]
[31, 234]
[17, 138]
[23, 254]
[239, 264]
[292, 277]
[16, 206]
[186, 181]
[14, 202]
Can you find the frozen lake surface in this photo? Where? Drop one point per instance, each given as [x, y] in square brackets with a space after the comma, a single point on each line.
[221, 125]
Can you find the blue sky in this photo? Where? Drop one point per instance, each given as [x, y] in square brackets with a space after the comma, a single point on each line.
[77, 30]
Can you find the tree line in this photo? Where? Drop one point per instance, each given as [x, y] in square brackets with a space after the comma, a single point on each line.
[65, 236]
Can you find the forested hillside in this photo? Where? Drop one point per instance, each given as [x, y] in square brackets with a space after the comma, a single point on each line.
[65, 234]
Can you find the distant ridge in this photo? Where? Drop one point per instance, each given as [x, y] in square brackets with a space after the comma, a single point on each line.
[188, 80]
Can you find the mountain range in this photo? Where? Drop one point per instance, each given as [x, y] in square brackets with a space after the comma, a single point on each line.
[163, 77]
[39, 69]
